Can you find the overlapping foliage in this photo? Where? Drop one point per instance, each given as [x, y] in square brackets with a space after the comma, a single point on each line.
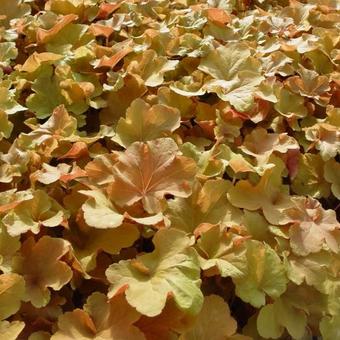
[169, 169]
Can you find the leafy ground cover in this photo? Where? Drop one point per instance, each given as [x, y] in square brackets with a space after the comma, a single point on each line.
[169, 169]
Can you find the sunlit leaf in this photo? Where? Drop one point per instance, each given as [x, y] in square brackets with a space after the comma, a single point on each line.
[11, 330]
[143, 123]
[148, 171]
[172, 269]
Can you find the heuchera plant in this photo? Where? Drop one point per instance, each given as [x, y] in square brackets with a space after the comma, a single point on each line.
[169, 169]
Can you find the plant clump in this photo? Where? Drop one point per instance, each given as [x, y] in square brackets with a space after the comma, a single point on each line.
[169, 169]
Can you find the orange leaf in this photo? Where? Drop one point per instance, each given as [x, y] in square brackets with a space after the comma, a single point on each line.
[73, 175]
[8, 206]
[43, 36]
[218, 16]
[98, 30]
[115, 59]
[34, 61]
[148, 171]
[106, 9]
[78, 150]
[202, 228]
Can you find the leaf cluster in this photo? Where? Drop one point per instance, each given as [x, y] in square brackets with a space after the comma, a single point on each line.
[169, 169]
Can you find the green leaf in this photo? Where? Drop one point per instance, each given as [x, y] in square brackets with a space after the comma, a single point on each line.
[8, 103]
[144, 122]
[331, 171]
[12, 287]
[274, 318]
[225, 62]
[6, 126]
[171, 269]
[30, 215]
[99, 212]
[329, 327]
[225, 251]
[8, 52]
[47, 95]
[265, 275]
